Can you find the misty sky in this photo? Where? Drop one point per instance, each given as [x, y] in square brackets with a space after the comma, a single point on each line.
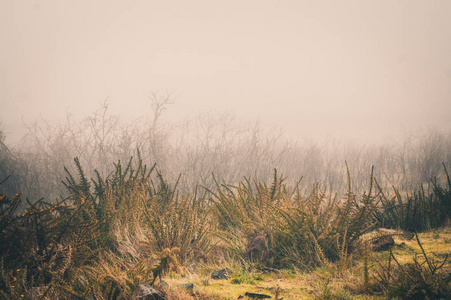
[315, 68]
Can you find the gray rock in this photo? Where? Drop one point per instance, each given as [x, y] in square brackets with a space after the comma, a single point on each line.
[221, 274]
[145, 291]
[256, 296]
[188, 285]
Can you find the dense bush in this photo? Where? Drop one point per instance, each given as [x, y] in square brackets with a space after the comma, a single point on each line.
[271, 226]
[72, 247]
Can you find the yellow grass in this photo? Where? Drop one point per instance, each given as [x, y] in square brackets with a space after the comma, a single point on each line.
[347, 282]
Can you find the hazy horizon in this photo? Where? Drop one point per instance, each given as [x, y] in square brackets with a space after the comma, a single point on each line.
[317, 69]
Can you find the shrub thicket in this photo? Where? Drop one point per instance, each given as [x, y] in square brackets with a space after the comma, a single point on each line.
[110, 234]
[273, 227]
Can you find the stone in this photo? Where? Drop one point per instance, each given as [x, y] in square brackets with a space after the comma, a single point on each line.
[188, 286]
[145, 291]
[383, 243]
[221, 274]
[256, 296]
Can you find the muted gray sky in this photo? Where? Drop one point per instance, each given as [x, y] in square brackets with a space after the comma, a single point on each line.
[315, 68]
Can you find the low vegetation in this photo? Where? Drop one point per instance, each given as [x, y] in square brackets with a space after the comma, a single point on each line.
[110, 234]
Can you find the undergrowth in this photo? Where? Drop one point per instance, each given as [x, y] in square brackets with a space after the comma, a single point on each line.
[270, 226]
[108, 235]
[423, 278]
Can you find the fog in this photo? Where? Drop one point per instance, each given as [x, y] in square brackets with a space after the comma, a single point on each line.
[362, 70]
[230, 89]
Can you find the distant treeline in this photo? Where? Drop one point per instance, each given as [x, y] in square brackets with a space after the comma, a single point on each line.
[222, 146]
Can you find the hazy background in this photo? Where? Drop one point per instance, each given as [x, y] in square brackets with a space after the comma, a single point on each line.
[354, 69]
